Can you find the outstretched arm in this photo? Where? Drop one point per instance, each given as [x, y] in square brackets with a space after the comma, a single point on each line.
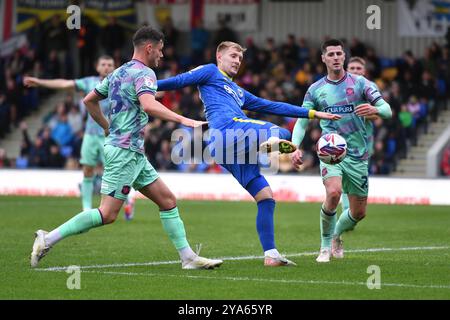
[257, 104]
[196, 76]
[49, 83]
[154, 108]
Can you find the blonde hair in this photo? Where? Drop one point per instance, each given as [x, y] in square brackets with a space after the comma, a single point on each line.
[357, 59]
[229, 44]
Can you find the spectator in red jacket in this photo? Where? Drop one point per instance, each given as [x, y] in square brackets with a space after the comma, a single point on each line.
[445, 163]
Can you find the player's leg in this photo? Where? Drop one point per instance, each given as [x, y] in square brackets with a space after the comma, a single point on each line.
[117, 179]
[89, 158]
[265, 224]
[331, 175]
[81, 223]
[130, 205]
[87, 187]
[150, 185]
[278, 139]
[345, 203]
[248, 175]
[355, 183]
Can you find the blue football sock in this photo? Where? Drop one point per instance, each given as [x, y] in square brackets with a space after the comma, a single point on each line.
[264, 223]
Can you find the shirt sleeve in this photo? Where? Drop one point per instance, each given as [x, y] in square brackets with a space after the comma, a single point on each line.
[81, 85]
[145, 82]
[102, 88]
[308, 100]
[371, 92]
[197, 76]
[257, 104]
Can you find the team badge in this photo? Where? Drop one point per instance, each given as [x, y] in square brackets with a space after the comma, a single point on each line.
[350, 91]
[126, 189]
[324, 172]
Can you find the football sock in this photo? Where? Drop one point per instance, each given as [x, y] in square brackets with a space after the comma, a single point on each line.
[264, 223]
[345, 202]
[273, 253]
[345, 223]
[327, 224]
[87, 188]
[174, 227]
[82, 222]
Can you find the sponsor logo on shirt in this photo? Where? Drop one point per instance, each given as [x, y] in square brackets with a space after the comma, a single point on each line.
[344, 109]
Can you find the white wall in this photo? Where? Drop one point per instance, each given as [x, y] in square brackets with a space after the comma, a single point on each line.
[292, 188]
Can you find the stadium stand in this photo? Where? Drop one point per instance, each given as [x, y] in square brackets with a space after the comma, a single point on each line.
[417, 89]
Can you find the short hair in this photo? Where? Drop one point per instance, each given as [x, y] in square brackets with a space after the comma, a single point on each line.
[229, 44]
[145, 34]
[331, 42]
[104, 57]
[357, 59]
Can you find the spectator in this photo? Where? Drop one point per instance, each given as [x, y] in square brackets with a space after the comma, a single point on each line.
[445, 162]
[171, 33]
[4, 161]
[62, 133]
[112, 36]
[199, 41]
[224, 33]
[55, 159]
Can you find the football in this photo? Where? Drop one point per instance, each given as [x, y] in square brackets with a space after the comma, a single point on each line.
[331, 148]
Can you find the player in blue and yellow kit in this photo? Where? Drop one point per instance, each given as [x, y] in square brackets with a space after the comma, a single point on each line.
[355, 98]
[224, 103]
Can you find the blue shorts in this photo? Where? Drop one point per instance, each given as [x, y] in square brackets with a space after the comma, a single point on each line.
[240, 142]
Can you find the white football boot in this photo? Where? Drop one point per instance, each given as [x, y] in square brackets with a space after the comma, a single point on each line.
[325, 255]
[40, 249]
[201, 263]
[337, 248]
[277, 262]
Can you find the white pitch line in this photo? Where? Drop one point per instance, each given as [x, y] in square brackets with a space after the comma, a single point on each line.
[286, 281]
[156, 263]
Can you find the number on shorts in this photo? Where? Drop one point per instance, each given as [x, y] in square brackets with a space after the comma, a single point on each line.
[364, 185]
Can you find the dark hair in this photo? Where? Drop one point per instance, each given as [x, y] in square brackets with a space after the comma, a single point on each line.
[145, 34]
[331, 42]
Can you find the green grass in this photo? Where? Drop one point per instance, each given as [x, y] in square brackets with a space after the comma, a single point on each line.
[226, 229]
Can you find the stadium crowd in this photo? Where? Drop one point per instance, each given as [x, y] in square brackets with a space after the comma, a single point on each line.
[417, 88]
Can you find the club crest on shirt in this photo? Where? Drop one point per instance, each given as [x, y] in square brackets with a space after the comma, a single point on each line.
[149, 82]
[350, 91]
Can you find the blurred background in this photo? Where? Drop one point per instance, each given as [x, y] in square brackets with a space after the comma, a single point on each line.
[405, 44]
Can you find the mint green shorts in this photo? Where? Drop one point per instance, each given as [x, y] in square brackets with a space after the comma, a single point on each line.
[354, 173]
[125, 169]
[92, 150]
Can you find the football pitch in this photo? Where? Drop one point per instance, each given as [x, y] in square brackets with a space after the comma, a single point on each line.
[406, 248]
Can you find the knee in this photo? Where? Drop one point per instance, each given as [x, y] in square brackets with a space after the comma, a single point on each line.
[359, 214]
[169, 202]
[108, 215]
[334, 194]
[88, 171]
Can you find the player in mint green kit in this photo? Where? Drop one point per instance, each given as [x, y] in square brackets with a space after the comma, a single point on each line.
[354, 98]
[131, 90]
[93, 138]
[357, 65]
